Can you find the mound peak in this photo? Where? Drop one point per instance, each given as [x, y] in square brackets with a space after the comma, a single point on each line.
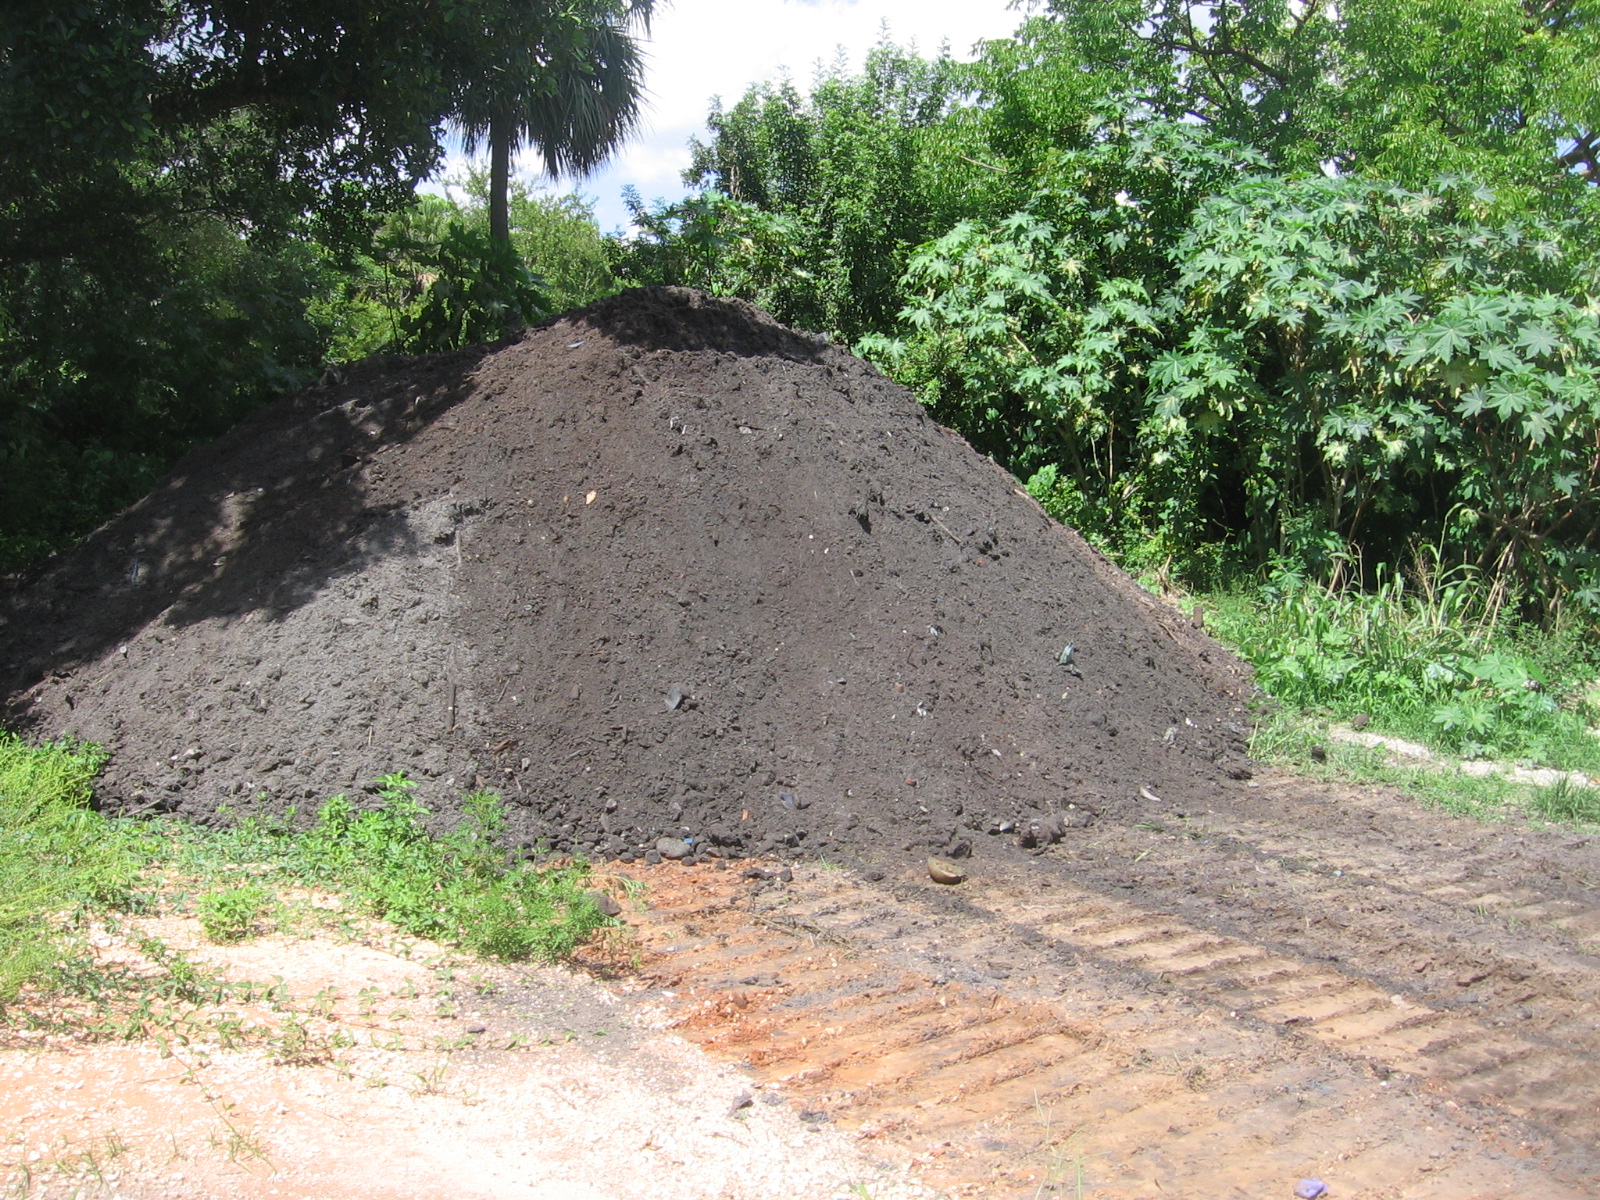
[660, 567]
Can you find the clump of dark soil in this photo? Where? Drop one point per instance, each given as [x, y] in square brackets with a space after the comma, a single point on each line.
[662, 567]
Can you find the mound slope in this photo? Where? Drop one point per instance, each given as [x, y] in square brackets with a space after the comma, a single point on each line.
[662, 567]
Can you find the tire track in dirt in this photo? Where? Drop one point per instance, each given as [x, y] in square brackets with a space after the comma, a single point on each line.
[1373, 961]
[1002, 1093]
[990, 1029]
[1517, 1029]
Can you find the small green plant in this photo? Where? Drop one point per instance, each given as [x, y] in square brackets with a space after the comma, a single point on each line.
[431, 1081]
[296, 1045]
[1062, 1159]
[1567, 801]
[231, 914]
[241, 1146]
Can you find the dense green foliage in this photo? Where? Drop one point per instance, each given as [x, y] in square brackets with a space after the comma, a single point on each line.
[481, 290]
[1429, 655]
[189, 201]
[1237, 287]
[434, 278]
[1405, 90]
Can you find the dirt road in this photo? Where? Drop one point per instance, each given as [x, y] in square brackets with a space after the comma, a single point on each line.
[1300, 982]
[1306, 982]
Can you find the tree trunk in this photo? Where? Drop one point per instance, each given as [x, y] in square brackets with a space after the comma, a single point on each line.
[500, 129]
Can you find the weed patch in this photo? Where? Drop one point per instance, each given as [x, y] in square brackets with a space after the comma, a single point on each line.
[232, 914]
[1433, 656]
[461, 887]
[58, 858]
[67, 872]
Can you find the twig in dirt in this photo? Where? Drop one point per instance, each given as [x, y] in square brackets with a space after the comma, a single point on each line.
[796, 928]
[946, 529]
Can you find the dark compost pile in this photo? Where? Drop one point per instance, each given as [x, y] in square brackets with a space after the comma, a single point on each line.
[661, 567]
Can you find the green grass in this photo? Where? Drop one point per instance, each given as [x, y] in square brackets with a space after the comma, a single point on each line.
[1288, 739]
[64, 866]
[1566, 803]
[460, 887]
[58, 859]
[1434, 656]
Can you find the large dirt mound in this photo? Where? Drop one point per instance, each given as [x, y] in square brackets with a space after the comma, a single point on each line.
[660, 567]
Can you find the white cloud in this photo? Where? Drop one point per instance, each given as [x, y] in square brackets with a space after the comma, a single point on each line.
[704, 48]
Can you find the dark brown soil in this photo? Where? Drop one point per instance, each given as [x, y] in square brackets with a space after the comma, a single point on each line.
[662, 567]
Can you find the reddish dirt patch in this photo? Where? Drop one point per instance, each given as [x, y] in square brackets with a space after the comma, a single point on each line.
[1300, 981]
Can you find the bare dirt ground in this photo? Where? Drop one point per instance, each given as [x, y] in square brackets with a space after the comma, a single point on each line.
[388, 1069]
[1309, 981]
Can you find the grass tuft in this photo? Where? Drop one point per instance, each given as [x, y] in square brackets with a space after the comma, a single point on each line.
[1434, 656]
[1567, 802]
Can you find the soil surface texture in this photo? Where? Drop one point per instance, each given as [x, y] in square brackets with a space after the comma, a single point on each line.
[670, 577]
[1305, 981]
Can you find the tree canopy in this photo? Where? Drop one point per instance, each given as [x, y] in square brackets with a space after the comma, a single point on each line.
[568, 83]
[188, 203]
[1237, 285]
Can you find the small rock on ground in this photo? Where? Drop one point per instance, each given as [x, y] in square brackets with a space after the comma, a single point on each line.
[942, 870]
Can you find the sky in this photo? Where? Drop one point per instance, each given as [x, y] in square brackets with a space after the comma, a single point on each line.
[698, 49]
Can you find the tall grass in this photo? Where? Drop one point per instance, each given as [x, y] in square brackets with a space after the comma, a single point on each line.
[1434, 654]
[58, 857]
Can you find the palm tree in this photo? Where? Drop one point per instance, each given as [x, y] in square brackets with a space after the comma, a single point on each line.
[569, 83]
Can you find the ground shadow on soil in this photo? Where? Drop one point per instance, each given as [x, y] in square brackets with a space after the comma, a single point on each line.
[209, 540]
